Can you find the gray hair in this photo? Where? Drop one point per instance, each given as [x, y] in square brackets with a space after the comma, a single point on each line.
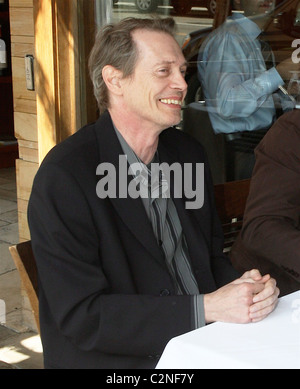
[115, 46]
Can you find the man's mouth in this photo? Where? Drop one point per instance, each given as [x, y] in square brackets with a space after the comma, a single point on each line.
[171, 102]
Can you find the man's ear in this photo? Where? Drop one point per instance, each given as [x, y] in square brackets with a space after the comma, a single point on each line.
[112, 77]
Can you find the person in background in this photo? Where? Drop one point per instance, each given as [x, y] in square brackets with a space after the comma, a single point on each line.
[270, 237]
[121, 273]
[238, 73]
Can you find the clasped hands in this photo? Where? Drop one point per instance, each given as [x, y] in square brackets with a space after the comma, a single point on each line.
[250, 298]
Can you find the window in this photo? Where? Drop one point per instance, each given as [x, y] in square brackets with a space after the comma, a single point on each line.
[228, 106]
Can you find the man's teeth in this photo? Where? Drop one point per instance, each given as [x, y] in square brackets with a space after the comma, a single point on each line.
[171, 101]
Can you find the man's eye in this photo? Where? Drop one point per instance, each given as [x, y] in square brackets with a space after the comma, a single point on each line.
[163, 71]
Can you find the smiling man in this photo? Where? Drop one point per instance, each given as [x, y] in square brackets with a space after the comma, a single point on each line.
[120, 276]
[149, 100]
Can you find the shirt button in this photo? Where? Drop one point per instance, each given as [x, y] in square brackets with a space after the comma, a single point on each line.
[164, 292]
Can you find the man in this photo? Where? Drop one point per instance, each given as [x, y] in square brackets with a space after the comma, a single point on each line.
[270, 237]
[238, 73]
[241, 82]
[120, 274]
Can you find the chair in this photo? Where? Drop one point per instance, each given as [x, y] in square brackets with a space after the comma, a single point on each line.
[25, 263]
[231, 198]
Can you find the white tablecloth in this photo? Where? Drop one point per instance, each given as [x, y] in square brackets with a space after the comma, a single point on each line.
[271, 343]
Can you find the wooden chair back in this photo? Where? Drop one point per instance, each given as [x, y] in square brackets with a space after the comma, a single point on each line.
[25, 263]
[231, 198]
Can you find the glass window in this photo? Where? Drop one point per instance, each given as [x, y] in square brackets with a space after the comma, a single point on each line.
[297, 19]
[189, 15]
[241, 75]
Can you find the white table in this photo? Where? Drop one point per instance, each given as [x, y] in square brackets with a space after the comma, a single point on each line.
[273, 343]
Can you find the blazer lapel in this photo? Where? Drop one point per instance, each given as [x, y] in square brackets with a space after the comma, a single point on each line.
[130, 210]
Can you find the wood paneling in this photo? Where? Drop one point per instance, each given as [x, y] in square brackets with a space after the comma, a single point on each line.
[28, 151]
[25, 122]
[57, 71]
[48, 30]
[24, 105]
[19, 81]
[21, 20]
[26, 126]
[21, 3]
[22, 45]
[25, 174]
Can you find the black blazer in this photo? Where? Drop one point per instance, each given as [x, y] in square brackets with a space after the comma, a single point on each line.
[106, 297]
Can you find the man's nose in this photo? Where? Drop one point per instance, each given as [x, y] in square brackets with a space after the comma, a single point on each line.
[178, 81]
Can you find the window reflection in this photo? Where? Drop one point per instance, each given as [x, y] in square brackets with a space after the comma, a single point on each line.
[242, 76]
[231, 149]
[189, 15]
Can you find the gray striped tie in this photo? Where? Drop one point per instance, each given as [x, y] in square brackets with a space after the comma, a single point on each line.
[168, 231]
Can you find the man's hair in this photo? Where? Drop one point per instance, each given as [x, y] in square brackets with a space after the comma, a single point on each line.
[115, 46]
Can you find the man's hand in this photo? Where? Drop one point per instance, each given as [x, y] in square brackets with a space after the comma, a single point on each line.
[265, 301]
[250, 298]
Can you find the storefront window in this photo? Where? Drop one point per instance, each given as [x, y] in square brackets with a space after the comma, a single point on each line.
[234, 71]
[189, 15]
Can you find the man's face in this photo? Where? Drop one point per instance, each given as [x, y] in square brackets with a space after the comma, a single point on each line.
[153, 95]
[256, 7]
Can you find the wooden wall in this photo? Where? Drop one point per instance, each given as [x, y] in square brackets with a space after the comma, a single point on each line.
[25, 113]
[25, 122]
[48, 30]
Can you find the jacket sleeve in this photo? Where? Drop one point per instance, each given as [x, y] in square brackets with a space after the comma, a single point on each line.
[271, 225]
